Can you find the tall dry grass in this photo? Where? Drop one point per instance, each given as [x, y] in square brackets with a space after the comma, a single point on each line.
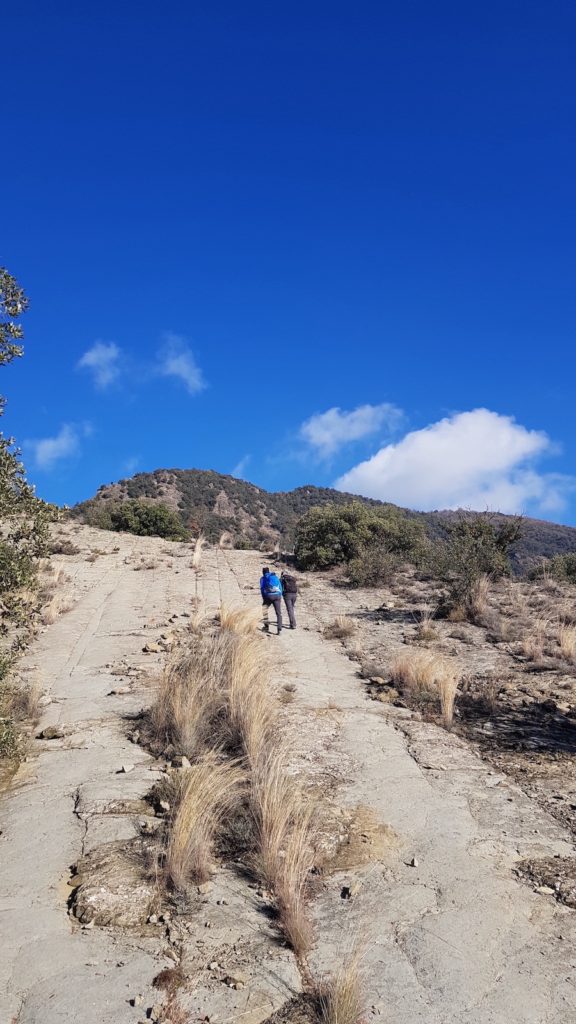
[238, 620]
[208, 791]
[57, 605]
[429, 675]
[251, 707]
[341, 628]
[191, 699]
[199, 546]
[286, 833]
[534, 642]
[340, 996]
[567, 641]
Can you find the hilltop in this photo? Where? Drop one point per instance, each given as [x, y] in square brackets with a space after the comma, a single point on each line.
[216, 503]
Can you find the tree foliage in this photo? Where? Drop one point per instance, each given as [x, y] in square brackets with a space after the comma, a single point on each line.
[144, 518]
[331, 535]
[24, 518]
[476, 546]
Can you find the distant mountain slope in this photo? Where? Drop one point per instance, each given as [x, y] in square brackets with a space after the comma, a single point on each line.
[215, 503]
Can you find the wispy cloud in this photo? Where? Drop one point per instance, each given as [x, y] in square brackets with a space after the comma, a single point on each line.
[48, 451]
[103, 361]
[240, 467]
[131, 464]
[176, 359]
[478, 459]
[327, 432]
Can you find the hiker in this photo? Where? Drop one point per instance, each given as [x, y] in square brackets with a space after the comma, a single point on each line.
[271, 590]
[290, 591]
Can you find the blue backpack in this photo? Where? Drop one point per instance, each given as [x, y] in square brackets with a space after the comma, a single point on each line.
[272, 585]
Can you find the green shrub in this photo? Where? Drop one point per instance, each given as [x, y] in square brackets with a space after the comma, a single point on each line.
[329, 535]
[477, 548]
[147, 519]
[374, 567]
[561, 568]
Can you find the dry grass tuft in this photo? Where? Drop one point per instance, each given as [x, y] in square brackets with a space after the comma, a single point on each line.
[58, 605]
[208, 791]
[533, 643]
[426, 629]
[239, 620]
[225, 540]
[567, 641]
[429, 675]
[285, 828]
[340, 629]
[199, 546]
[191, 697]
[340, 995]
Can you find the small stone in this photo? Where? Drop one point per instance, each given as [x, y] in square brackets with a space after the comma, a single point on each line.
[181, 761]
[414, 863]
[124, 769]
[152, 919]
[351, 889]
[51, 732]
[213, 966]
[204, 888]
[164, 805]
[378, 680]
[545, 890]
[137, 1000]
[155, 1012]
[152, 648]
[236, 979]
[119, 691]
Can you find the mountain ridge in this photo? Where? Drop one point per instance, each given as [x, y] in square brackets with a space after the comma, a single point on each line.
[215, 503]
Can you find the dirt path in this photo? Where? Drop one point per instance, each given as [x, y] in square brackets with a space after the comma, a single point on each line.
[451, 935]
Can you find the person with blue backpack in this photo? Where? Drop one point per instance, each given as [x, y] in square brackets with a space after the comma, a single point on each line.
[271, 590]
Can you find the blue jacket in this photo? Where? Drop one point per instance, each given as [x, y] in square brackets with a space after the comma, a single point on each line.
[264, 584]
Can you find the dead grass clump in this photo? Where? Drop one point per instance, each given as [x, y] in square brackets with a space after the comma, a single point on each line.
[251, 708]
[533, 643]
[58, 605]
[208, 791]
[239, 620]
[199, 545]
[567, 641]
[225, 540]
[191, 698]
[426, 629]
[340, 629]
[285, 830]
[63, 546]
[429, 676]
[340, 995]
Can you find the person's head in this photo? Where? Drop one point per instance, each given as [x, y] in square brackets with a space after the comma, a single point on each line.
[265, 570]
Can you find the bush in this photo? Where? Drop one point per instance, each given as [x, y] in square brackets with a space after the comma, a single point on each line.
[144, 518]
[476, 551]
[374, 567]
[331, 535]
[561, 568]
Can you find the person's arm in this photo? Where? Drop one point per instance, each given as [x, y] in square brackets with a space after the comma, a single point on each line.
[262, 585]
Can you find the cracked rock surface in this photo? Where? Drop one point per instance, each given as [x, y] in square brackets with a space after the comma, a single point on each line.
[451, 934]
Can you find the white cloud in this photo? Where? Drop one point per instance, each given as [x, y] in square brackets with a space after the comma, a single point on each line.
[47, 451]
[329, 431]
[240, 467]
[478, 459]
[103, 361]
[177, 360]
[131, 464]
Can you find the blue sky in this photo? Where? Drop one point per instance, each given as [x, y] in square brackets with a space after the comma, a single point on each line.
[317, 243]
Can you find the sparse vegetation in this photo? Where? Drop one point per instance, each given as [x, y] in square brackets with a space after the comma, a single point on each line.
[340, 995]
[561, 568]
[429, 676]
[199, 545]
[340, 629]
[208, 790]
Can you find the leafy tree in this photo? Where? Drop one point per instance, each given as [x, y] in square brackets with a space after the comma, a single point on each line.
[25, 518]
[147, 519]
[335, 534]
[477, 546]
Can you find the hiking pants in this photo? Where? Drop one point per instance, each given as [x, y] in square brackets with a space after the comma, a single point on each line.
[290, 601]
[277, 602]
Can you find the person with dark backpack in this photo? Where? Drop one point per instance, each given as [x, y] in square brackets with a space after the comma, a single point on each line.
[271, 590]
[290, 591]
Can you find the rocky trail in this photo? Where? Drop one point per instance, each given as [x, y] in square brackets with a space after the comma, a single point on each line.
[450, 934]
